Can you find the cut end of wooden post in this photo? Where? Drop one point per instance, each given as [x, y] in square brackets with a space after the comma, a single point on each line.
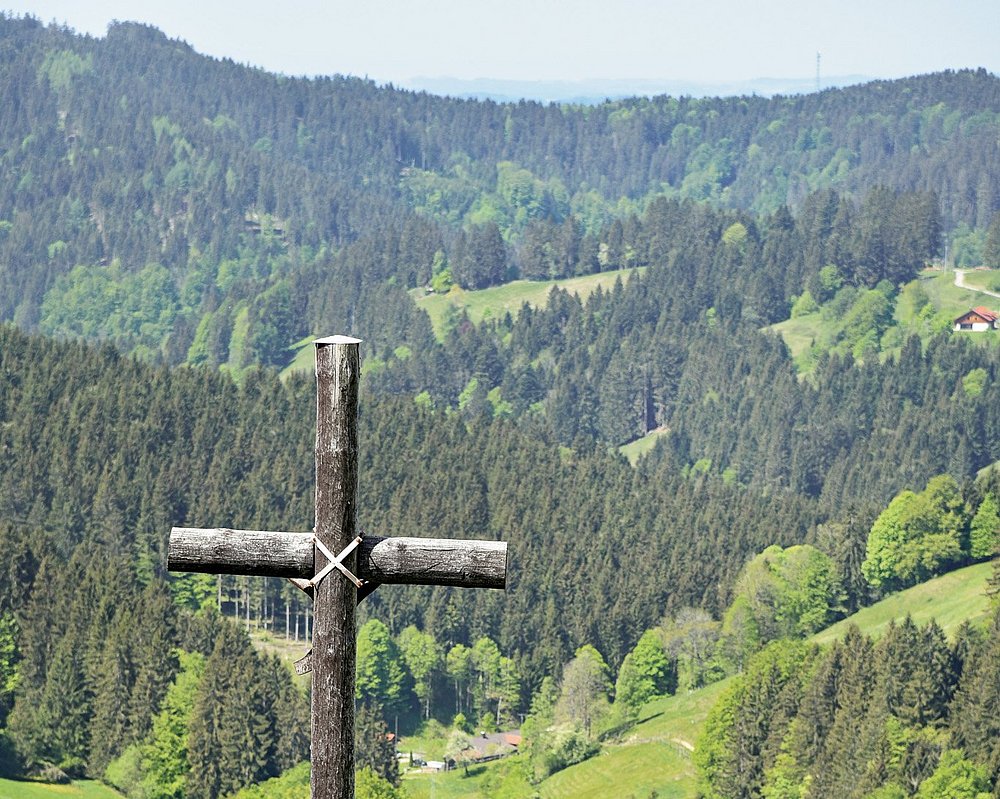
[336, 340]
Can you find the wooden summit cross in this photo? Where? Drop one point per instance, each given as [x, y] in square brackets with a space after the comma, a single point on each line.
[336, 565]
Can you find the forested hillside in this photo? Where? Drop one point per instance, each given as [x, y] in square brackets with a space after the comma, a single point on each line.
[104, 454]
[171, 226]
[201, 211]
[911, 714]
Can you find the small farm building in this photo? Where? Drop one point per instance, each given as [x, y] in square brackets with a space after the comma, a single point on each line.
[978, 320]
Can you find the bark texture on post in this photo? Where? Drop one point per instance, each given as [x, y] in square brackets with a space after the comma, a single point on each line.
[338, 373]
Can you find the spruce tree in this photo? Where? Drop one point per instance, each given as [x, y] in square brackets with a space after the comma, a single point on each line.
[373, 745]
[111, 726]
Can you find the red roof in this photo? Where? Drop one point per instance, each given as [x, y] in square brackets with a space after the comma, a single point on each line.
[986, 313]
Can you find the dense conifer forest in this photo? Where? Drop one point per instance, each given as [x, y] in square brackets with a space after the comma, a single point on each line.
[170, 225]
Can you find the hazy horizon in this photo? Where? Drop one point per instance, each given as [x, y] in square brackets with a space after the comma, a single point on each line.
[716, 42]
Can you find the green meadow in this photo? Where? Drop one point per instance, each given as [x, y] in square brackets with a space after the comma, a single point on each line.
[84, 789]
[493, 303]
[656, 754]
[950, 599]
[806, 334]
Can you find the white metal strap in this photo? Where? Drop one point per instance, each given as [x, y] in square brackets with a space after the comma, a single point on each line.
[335, 562]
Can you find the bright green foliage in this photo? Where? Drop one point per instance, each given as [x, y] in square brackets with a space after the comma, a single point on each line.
[974, 382]
[381, 673]
[561, 747]
[866, 321]
[192, 590]
[830, 281]
[423, 658]
[646, 672]
[916, 536]
[164, 755]
[8, 663]
[804, 304]
[690, 638]
[369, 785]
[485, 659]
[124, 773]
[441, 282]
[134, 309]
[508, 691]
[984, 530]
[735, 235]
[62, 66]
[727, 754]
[790, 592]
[493, 679]
[955, 778]
[891, 790]
[293, 784]
[458, 666]
[740, 636]
[583, 698]
[786, 779]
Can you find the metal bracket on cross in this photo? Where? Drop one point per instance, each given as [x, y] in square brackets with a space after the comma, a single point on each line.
[365, 587]
[335, 563]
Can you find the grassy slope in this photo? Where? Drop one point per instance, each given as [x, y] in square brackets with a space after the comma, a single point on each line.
[951, 599]
[655, 755]
[85, 789]
[986, 279]
[636, 449]
[304, 360]
[493, 303]
[487, 303]
[947, 298]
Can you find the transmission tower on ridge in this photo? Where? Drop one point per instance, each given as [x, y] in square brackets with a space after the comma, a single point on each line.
[817, 72]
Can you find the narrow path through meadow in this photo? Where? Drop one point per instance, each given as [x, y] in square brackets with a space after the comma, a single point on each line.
[960, 282]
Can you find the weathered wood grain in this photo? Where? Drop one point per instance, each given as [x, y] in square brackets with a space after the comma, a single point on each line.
[224, 551]
[338, 377]
[400, 561]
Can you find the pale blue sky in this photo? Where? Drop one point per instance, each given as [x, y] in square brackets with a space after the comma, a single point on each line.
[704, 40]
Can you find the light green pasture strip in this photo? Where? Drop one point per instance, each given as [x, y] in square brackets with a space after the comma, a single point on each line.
[493, 303]
[984, 279]
[677, 718]
[949, 599]
[83, 789]
[501, 779]
[945, 295]
[304, 360]
[636, 449]
[627, 771]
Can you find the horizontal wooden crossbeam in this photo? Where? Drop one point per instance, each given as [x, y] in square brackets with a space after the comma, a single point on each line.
[401, 561]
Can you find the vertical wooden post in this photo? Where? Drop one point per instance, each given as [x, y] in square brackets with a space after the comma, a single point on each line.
[338, 372]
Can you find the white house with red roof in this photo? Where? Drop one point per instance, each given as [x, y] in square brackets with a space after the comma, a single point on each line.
[978, 320]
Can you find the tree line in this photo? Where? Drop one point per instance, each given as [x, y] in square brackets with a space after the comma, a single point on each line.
[910, 714]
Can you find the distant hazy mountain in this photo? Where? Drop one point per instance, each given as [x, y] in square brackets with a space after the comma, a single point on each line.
[590, 92]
